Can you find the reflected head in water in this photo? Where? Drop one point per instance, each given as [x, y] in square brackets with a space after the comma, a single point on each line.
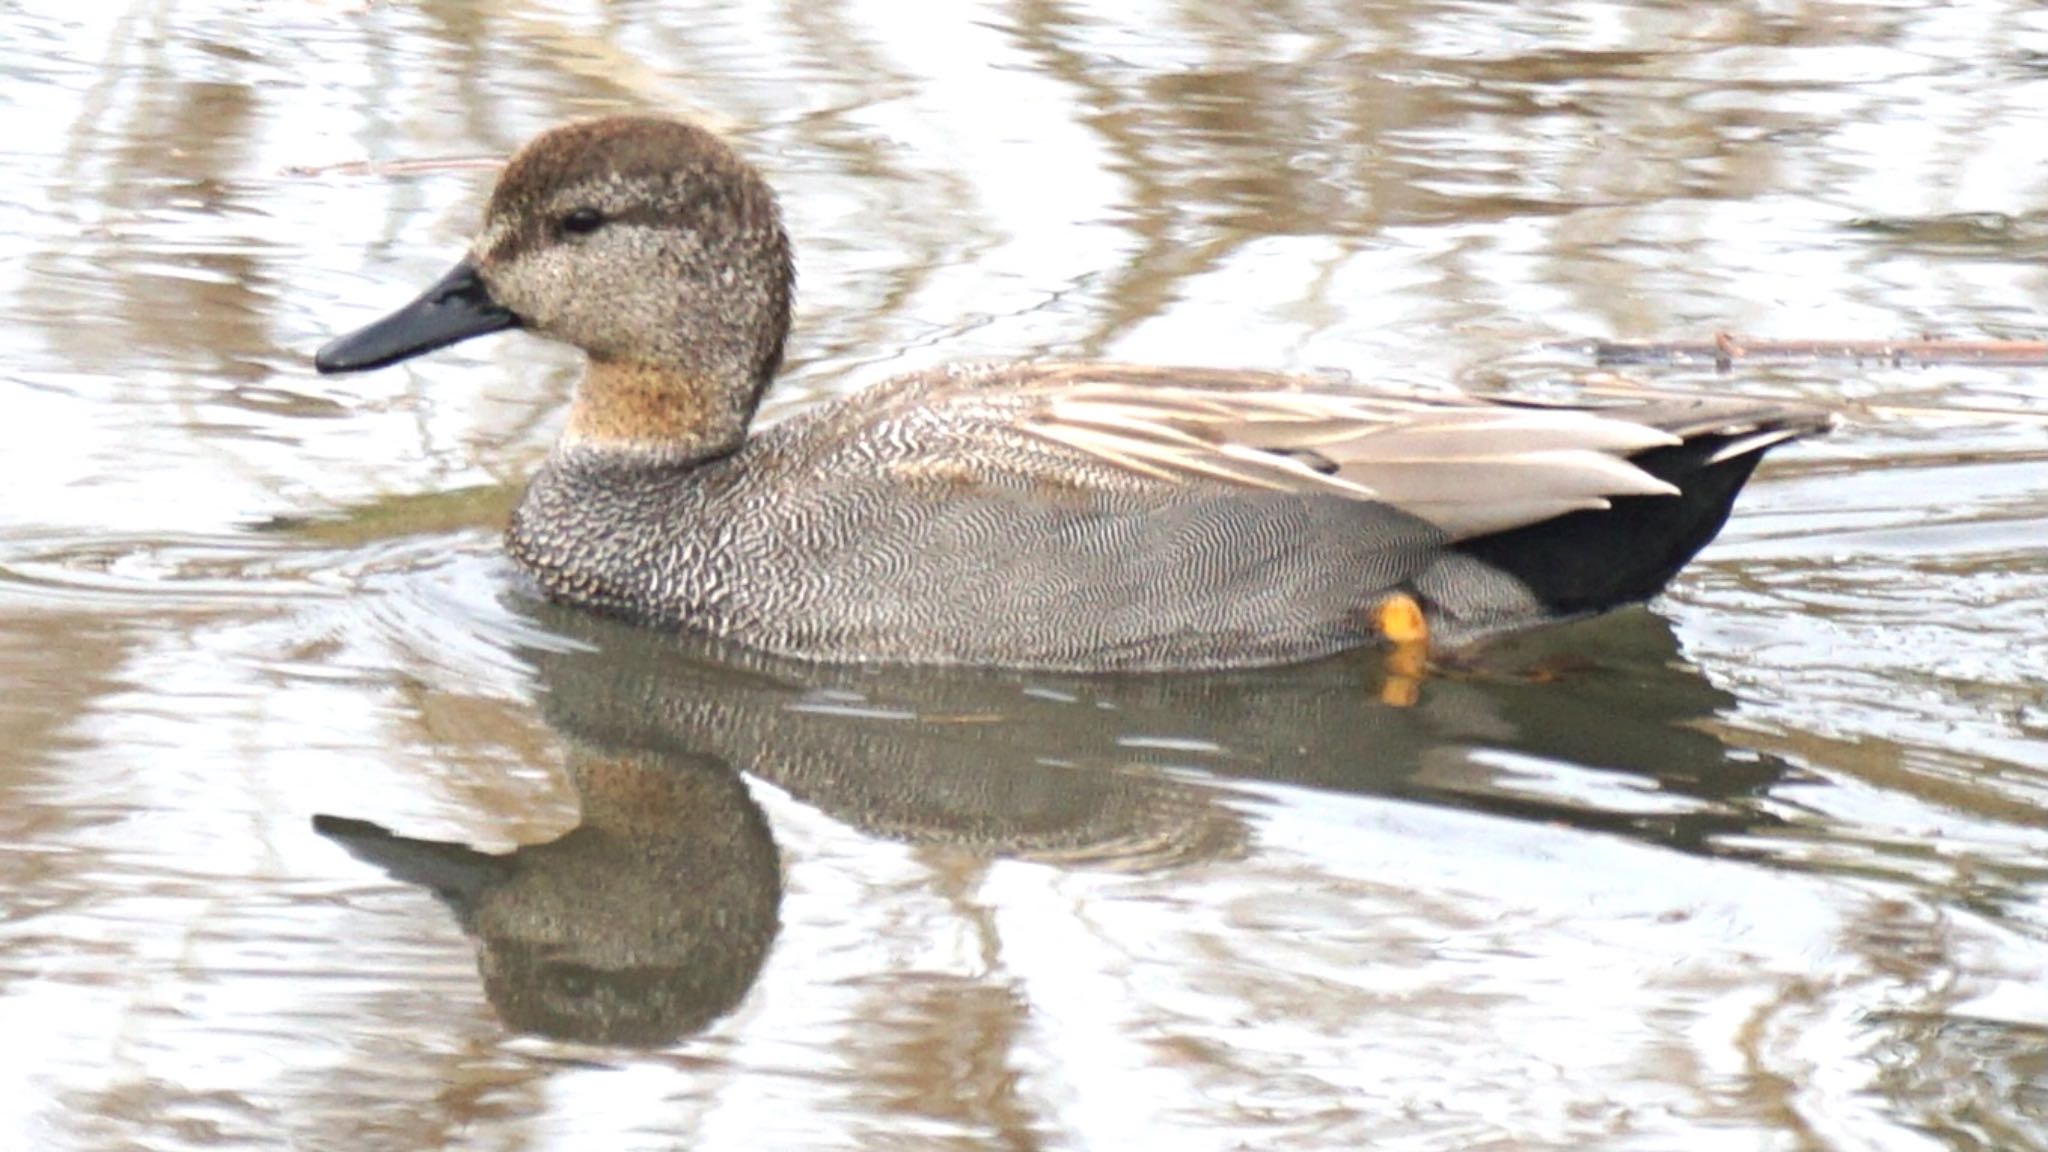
[1070, 516]
[644, 923]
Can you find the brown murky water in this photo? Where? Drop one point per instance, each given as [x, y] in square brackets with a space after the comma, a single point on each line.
[1763, 866]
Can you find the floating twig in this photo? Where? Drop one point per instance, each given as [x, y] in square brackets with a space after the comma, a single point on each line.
[1610, 384]
[1725, 350]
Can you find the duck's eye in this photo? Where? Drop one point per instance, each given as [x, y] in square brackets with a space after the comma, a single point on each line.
[582, 221]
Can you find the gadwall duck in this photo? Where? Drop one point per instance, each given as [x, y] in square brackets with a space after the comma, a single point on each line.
[1054, 515]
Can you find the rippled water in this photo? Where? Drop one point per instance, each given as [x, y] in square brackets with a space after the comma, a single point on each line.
[319, 831]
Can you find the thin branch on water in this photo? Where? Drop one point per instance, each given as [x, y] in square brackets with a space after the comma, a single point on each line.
[1611, 384]
[1726, 350]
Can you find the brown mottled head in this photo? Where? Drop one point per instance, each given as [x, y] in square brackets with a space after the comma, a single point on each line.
[645, 242]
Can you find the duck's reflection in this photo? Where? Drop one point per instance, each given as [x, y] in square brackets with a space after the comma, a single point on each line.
[651, 918]
[1137, 770]
[644, 923]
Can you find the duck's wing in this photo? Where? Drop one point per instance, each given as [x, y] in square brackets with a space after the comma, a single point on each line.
[1470, 466]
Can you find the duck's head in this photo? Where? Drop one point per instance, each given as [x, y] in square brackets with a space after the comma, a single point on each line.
[647, 243]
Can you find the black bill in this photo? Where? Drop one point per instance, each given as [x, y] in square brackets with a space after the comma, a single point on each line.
[456, 308]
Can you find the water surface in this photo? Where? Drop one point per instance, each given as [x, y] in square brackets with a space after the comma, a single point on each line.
[1759, 866]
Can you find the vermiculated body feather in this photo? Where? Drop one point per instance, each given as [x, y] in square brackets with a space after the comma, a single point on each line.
[900, 527]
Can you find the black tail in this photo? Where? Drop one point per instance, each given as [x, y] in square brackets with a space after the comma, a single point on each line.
[1593, 560]
[1597, 559]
